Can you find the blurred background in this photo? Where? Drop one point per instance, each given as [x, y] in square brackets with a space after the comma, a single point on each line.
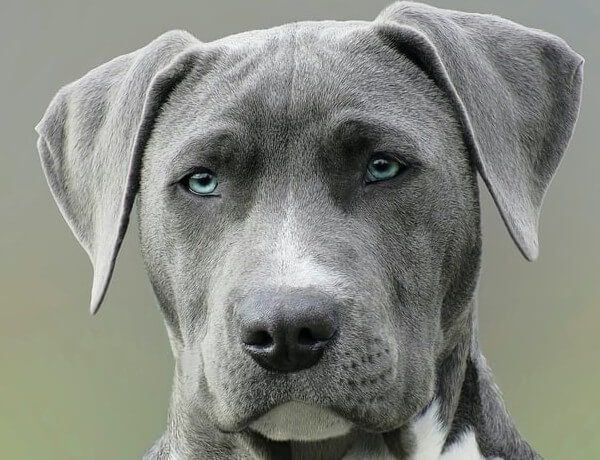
[73, 386]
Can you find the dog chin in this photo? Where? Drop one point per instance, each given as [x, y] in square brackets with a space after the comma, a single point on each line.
[298, 421]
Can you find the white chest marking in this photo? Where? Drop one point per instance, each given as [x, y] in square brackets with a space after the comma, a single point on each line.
[430, 435]
[465, 448]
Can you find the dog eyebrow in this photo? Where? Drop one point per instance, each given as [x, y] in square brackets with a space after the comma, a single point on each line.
[378, 135]
[353, 130]
[211, 145]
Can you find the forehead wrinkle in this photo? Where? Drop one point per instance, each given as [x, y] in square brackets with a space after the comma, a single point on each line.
[290, 78]
[255, 88]
[293, 72]
[267, 86]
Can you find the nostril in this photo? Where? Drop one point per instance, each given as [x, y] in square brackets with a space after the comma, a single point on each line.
[287, 331]
[306, 337]
[311, 336]
[258, 338]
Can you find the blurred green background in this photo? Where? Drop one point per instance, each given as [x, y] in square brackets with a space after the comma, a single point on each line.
[74, 386]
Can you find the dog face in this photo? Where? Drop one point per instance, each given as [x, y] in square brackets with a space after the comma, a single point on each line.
[296, 218]
[308, 200]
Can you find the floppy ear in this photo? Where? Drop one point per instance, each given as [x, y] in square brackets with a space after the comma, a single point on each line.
[92, 137]
[516, 91]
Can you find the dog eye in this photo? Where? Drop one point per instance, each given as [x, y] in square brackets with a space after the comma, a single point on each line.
[201, 182]
[382, 167]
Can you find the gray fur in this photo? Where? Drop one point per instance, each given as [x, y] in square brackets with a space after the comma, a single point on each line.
[452, 93]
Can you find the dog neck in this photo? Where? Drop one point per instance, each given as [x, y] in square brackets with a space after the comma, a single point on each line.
[466, 419]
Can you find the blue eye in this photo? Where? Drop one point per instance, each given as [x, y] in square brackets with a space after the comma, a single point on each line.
[381, 168]
[201, 182]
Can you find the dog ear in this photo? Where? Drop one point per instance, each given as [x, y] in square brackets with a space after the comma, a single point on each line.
[516, 91]
[91, 140]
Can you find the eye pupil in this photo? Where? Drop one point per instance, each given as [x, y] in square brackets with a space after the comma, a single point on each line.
[204, 178]
[202, 183]
[381, 164]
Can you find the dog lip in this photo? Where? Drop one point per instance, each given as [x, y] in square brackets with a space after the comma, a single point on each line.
[243, 424]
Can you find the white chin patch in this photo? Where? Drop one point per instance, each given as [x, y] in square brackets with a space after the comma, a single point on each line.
[297, 421]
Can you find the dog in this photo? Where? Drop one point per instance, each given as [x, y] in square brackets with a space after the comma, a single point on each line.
[310, 221]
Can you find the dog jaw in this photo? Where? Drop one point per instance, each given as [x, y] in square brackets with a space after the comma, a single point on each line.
[297, 421]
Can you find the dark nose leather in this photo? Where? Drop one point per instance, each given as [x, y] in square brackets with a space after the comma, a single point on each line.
[288, 331]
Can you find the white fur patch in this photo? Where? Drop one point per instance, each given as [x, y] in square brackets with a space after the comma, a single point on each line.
[430, 435]
[294, 266]
[465, 448]
[297, 421]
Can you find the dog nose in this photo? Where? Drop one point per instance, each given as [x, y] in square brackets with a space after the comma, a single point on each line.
[287, 332]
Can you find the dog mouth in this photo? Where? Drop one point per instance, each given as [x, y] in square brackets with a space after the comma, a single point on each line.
[345, 391]
[297, 420]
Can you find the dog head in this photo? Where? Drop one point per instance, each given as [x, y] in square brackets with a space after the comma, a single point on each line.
[308, 199]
